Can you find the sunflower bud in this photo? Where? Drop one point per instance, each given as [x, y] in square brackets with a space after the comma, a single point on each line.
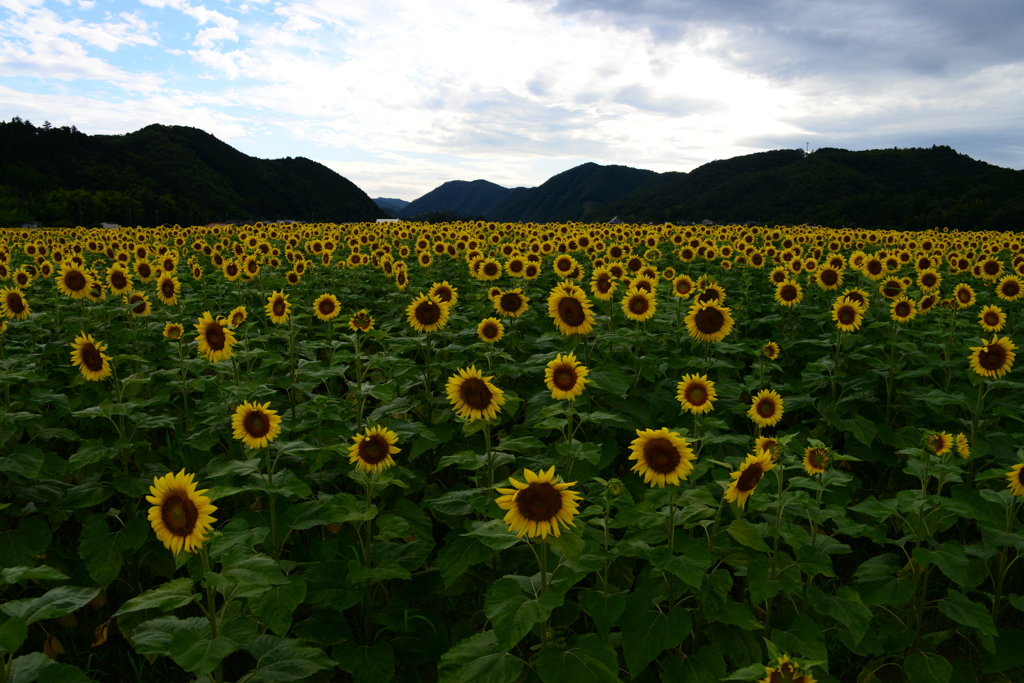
[613, 490]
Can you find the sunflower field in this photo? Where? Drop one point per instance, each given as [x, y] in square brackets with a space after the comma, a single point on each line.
[474, 452]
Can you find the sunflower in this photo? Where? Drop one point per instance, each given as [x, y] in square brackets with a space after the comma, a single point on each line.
[767, 408]
[816, 460]
[570, 311]
[255, 425]
[857, 296]
[489, 270]
[696, 393]
[118, 279]
[326, 307]
[938, 443]
[902, 309]
[180, 516]
[786, 671]
[361, 321]
[493, 293]
[709, 322]
[13, 304]
[237, 316]
[964, 295]
[848, 315]
[1010, 288]
[144, 269]
[662, 457]
[769, 445]
[22, 278]
[168, 288]
[1015, 477]
[445, 293]
[928, 280]
[473, 395]
[771, 350]
[74, 281]
[215, 339]
[603, 284]
[90, 359]
[3, 326]
[278, 307]
[788, 293]
[174, 331]
[538, 506]
[138, 304]
[994, 358]
[565, 377]
[372, 450]
[963, 448]
[992, 318]
[427, 314]
[490, 330]
[639, 304]
[746, 478]
[511, 304]
[682, 286]
[828, 278]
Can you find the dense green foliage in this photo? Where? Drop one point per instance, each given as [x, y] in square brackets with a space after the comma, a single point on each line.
[161, 175]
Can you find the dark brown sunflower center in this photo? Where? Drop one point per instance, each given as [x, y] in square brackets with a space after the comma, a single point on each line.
[634, 264]
[179, 513]
[475, 394]
[167, 289]
[571, 312]
[991, 318]
[928, 280]
[788, 293]
[766, 407]
[1010, 288]
[145, 270]
[603, 284]
[91, 357]
[661, 455]
[75, 281]
[963, 295]
[539, 502]
[326, 306]
[373, 449]
[214, 335]
[992, 357]
[874, 267]
[991, 267]
[682, 288]
[428, 313]
[709, 320]
[564, 378]
[749, 478]
[711, 294]
[903, 309]
[278, 307]
[847, 315]
[511, 302]
[15, 303]
[256, 424]
[829, 277]
[818, 458]
[490, 269]
[892, 289]
[490, 331]
[696, 394]
[118, 280]
[443, 294]
[638, 305]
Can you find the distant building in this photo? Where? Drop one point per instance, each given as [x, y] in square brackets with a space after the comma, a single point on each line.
[31, 224]
[388, 220]
[109, 226]
[616, 221]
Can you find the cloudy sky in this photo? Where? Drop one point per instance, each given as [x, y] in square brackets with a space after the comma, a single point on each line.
[402, 95]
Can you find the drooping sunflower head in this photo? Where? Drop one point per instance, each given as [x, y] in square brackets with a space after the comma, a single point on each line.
[427, 314]
[747, 477]
[473, 395]
[786, 671]
[565, 377]
[994, 358]
[255, 424]
[174, 331]
[445, 293]
[963, 448]
[13, 304]
[73, 281]
[992, 318]
[215, 339]
[570, 311]
[696, 393]
[767, 408]
[938, 443]
[770, 350]
[326, 307]
[539, 506]
[361, 321]
[88, 356]
[1015, 480]
[511, 304]
[848, 315]
[237, 316]
[278, 308]
[371, 451]
[490, 330]
[709, 322]
[180, 516]
[662, 457]
[816, 459]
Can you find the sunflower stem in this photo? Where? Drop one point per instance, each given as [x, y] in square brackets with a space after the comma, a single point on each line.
[211, 611]
[291, 352]
[359, 382]
[976, 422]
[490, 454]
[671, 542]
[271, 499]
[184, 385]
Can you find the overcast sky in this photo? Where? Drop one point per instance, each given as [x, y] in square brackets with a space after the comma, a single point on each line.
[402, 95]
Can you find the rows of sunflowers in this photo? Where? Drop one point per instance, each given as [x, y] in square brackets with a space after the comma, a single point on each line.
[479, 452]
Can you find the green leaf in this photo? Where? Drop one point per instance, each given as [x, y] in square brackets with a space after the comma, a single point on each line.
[690, 563]
[513, 613]
[373, 664]
[604, 608]
[21, 546]
[478, 660]
[103, 551]
[747, 673]
[458, 555]
[27, 668]
[198, 654]
[845, 607]
[58, 602]
[802, 640]
[493, 534]
[646, 632]
[165, 597]
[747, 535]
[569, 543]
[927, 668]
[63, 673]
[462, 502]
[966, 612]
[40, 573]
[13, 633]
[591, 660]
[284, 659]
[324, 627]
[950, 558]
[736, 614]
[25, 460]
[246, 574]
[275, 607]
[706, 666]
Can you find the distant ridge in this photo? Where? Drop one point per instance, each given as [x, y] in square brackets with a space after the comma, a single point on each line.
[392, 206]
[161, 174]
[468, 198]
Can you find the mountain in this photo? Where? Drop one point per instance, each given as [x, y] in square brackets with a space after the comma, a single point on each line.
[392, 206]
[890, 188]
[573, 195]
[468, 198]
[161, 174]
